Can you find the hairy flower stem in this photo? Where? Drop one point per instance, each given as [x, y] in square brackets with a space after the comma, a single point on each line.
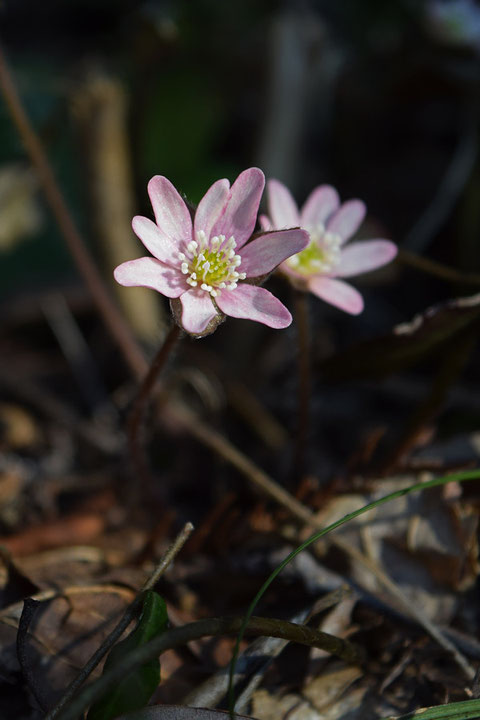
[137, 413]
[304, 382]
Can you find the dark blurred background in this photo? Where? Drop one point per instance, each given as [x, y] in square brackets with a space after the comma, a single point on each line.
[380, 99]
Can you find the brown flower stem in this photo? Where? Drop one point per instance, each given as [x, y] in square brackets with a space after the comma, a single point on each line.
[125, 621]
[137, 413]
[304, 382]
[176, 637]
[109, 311]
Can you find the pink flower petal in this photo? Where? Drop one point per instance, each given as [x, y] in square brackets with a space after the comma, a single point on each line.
[151, 273]
[319, 206]
[336, 293]
[254, 303]
[155, 241]
[240, 212]
[265, 223]
[281, 206]
[264, 253]
[171, 214]
[197, 311]
[210, 206]
[347, 219]
[361, 257]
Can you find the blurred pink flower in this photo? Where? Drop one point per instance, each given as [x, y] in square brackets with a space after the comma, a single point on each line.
[329, 224]
[204, 263]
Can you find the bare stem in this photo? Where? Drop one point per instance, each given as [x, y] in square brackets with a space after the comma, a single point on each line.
[304, 381]
[177, 637]
[125, 621]
[137, 413]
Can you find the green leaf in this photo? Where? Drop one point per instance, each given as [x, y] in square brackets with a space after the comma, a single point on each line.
[136, 688]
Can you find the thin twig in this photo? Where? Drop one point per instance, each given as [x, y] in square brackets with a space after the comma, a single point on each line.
[167, 558]
[109, 311]
[229, 452]
[432, 267]
[125, 621]
[206, 628]
[137, 413]
[303, 380]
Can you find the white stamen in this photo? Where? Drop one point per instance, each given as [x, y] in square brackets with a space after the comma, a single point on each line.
[211, 263]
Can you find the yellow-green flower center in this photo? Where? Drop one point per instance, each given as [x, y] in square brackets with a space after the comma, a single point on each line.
[321, 255]
[211, 264]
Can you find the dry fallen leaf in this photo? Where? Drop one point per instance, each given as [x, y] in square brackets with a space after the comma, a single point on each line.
[66, 629]
[324, 698]
[426, 542]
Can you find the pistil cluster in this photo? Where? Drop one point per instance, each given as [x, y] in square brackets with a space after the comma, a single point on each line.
[211, 264]
[322, 254]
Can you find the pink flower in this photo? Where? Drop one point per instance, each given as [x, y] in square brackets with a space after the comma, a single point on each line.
[204, 263]
[318, 267]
